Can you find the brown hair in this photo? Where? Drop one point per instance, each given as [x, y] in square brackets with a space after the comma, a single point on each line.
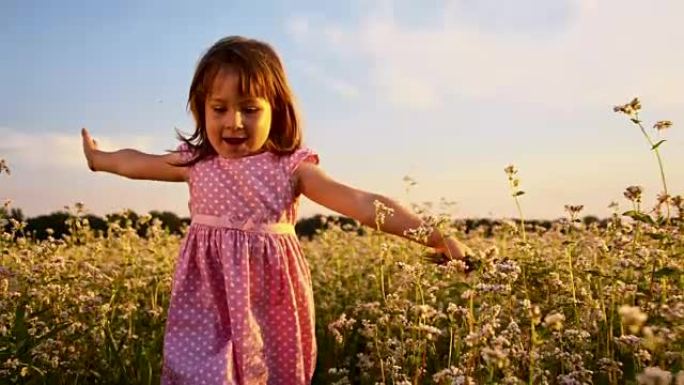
[261, 74]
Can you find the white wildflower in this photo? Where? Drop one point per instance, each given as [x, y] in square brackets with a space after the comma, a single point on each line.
[654, 376]
[632, 317]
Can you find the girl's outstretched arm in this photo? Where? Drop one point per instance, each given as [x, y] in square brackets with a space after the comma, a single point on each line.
[132, 163]
[320, 188]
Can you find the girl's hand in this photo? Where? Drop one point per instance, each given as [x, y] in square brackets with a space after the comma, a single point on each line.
[89, 148]
[453, 249]
[134, 164]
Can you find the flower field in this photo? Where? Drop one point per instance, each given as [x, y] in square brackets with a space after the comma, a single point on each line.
[576, 303]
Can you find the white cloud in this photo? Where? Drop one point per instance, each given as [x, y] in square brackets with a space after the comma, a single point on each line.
[605, 53]
[58, 150]
[337, 85]
[297, 27]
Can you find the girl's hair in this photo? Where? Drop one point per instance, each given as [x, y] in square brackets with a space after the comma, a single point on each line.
[261, 74]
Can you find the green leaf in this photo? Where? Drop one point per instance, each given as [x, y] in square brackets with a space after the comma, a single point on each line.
[657, 144]
[598, 273]
[20, 330]
[639, 216]
[656, 236]
[667, 272]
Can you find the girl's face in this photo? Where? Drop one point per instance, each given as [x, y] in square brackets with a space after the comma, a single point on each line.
[237, 125]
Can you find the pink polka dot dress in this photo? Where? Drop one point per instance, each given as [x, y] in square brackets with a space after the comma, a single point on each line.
[241, 309]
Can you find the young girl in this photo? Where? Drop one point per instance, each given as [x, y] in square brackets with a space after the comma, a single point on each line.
[241, 309]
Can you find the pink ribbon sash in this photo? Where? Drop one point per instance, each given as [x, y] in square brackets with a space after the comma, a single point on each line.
[249, 226]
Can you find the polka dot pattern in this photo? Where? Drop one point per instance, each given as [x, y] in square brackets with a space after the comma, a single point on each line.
[241, 310]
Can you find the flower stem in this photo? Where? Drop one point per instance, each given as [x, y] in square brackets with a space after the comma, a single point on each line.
[568, 251]
[637, 121]
[522, 220]
[533, 337]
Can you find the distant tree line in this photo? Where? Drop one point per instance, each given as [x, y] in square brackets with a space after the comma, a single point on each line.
[37, 227]
[55, 224]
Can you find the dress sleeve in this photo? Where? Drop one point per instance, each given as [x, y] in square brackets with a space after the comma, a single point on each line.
[300, 155]
[185, 151]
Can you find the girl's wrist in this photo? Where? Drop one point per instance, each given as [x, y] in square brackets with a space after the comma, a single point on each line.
[96, 160]
[92, 161]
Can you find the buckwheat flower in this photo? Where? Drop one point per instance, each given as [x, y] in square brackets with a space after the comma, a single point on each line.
[452, 265]
[535, 314]
[472, 339]
[662, 198]
[409, 181]
[678, 201]
[654, 376]
[510, 170]
[610, 366]
[495, 356]
[526, 304]
[508, 267]
[408, 268]
[554, 321]
[382, 211]
[341, 323]
[662, 124]
[340, 371]
[568, 379]
[430, 331]
[420, 234]
[632, 317]
[643, 355]
[425, 311]
[629, 340]
[573, 209]
[447, 375]
[3, 167]
[457, 310]
[630, 108]
[491, 252]
[364, 361]
[633, 193]
[452, 307]
[368, 329]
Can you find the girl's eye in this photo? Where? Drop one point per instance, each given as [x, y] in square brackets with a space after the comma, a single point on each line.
[219, 109]
[250, 110]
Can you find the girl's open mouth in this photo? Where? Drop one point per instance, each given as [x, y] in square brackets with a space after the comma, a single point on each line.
[235, 141]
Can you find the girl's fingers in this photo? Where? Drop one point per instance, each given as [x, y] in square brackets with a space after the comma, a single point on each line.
[87, 139]
[89, 144]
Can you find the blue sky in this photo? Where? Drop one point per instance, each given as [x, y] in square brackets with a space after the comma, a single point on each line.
[447, 92]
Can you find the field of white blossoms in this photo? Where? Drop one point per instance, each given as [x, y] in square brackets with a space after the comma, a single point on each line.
[599, 303]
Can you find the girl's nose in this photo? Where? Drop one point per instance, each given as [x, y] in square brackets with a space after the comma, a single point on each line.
[234, 120]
